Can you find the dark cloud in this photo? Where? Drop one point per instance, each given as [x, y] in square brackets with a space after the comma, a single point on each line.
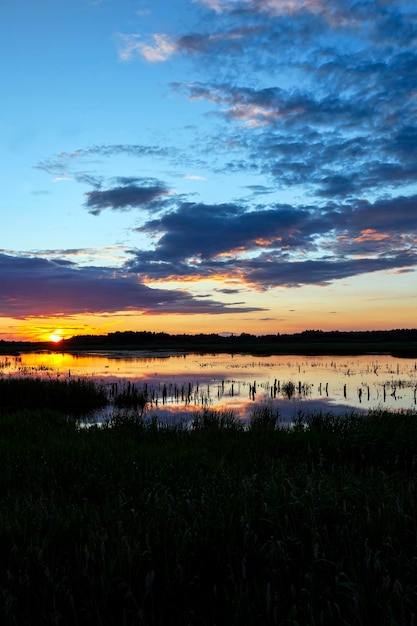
[38, 287]
[229, 292]
[128, 180]
[277, 270]
[388, 215]
[266, 272]
[206, 231]
[268, 246]
[124, 198]
[227, 42]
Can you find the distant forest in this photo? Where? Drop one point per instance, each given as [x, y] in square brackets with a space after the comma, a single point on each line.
[399, 342]
[314, 341]
[162, 340]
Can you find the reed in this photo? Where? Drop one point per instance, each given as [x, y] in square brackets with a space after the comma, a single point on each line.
[73, 396]
[131, 397]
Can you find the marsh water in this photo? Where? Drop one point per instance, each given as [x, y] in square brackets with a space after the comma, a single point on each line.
[180, 384]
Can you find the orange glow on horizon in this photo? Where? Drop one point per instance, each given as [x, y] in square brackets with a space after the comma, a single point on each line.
[56, 336]
[358, 303]
[289, 322]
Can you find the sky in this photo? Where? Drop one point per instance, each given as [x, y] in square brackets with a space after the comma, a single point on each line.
[207, 166]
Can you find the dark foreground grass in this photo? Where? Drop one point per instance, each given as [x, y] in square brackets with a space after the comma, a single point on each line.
[136, 524]
[72, 396]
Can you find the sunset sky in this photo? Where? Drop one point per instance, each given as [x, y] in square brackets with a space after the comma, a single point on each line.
[207, 166]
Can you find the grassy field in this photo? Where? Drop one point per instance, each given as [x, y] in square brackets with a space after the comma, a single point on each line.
[132, 523]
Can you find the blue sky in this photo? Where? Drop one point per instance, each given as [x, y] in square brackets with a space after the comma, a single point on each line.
[207, 166]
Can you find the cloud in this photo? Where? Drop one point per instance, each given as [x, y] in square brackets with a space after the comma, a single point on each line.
[324, 142]
[122, 191]
[219, 5]
[160, 50]
[107, 255]
[134, 150]
[125, 198]
[312, 108]
[271, 246]
[315, 92]
[162, 46]
[229, 292]
[64, 162]
[277, 6]
[335, 12]
[267, 273]
[39, 287]
[206, 231]
[272, 106]
[275, 270]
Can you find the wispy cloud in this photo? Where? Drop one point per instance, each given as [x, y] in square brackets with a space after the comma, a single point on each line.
[269, 6]
[335, 12]
[109, 256]
[161, 48]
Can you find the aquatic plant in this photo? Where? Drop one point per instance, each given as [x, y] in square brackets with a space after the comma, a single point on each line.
[132, 397]
[288, 389]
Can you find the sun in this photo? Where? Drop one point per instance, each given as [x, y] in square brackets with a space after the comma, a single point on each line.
[56, 336]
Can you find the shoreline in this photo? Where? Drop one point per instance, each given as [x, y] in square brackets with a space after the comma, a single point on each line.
[395, 350]
[400, 343]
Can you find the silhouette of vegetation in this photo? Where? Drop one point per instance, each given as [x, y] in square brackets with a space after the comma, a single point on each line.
[76, 397]
[140, 524]
[399, 342]
[132, 398]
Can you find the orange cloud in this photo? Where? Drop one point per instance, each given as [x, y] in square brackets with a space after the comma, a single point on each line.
[369, 234]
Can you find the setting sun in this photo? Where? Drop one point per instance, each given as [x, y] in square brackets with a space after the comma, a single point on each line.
[56, 336]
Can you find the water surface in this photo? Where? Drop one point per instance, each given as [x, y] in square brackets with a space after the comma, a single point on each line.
[180, 384]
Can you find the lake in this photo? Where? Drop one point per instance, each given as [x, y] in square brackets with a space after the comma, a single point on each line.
[180, 384]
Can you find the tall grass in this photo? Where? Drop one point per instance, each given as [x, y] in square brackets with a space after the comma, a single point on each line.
[131, 523]
[72, 396]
